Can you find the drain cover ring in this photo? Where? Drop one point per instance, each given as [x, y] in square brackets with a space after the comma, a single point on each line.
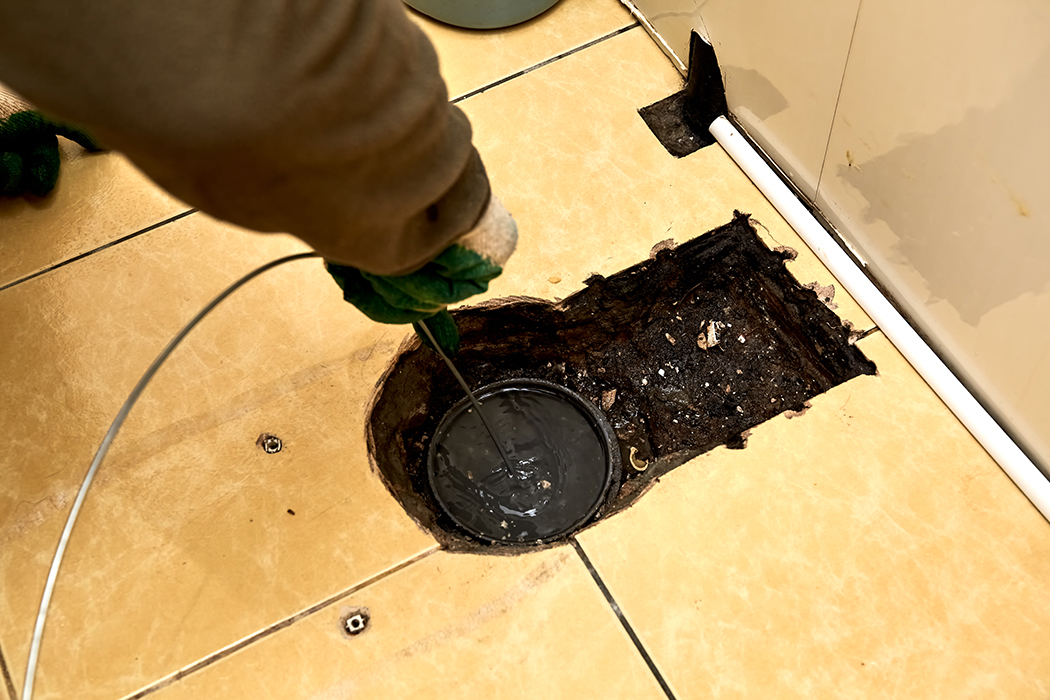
[564, 457]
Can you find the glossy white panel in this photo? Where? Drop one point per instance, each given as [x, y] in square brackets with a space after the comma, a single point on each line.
[937, 173]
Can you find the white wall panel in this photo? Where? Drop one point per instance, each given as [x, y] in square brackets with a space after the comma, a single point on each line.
[937, 172]
[782, 63]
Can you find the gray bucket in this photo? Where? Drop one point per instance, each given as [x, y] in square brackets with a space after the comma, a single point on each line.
[482, 14]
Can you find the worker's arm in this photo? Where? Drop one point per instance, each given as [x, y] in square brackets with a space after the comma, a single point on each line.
[326, 119]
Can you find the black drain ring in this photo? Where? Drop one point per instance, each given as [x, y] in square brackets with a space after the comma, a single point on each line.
[603, 431]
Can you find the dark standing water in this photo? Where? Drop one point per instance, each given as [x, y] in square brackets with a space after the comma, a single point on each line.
[555, 476]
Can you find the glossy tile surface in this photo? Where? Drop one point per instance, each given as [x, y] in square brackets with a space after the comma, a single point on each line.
[472, 58]
[533, 626]
[593, 190]
[937, 171]
[869, 548]
[188, 541]
[99, 198]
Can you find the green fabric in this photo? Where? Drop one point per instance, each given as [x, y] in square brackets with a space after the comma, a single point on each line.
[443, 327]
[29, 160]
[454, 275]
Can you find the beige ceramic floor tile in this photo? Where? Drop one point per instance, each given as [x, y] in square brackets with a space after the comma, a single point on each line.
[99, 198]
[450, 626]
[472, 58]
[869, 548]
[187, 541]
[593, 190]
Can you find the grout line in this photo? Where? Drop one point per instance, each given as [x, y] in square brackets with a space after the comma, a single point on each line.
[98, 250]
[541, 64]
[838, 98]
[276, 627]
[623, 620]
[8, 681]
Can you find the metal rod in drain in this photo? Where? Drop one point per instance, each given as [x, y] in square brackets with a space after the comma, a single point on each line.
[470, 395]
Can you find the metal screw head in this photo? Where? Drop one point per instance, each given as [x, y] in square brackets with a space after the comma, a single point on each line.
[271, 444]
[356, 622]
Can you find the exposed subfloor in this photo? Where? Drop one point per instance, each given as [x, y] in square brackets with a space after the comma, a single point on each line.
[867, 548]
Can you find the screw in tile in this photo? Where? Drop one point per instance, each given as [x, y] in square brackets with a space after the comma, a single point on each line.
[356, 622]
[271, 444]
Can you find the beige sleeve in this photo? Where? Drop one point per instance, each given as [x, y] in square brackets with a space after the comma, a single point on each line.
[326, 119]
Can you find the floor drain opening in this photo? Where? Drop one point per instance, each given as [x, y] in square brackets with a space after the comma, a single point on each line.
[651, 367]
[563, 458]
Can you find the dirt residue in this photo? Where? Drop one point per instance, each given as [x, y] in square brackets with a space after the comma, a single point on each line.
[777, 346]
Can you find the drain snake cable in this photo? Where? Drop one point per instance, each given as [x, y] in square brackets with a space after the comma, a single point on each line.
[111, 434]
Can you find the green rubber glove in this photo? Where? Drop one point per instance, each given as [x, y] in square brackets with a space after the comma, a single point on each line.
[29, 159]
[462, 270]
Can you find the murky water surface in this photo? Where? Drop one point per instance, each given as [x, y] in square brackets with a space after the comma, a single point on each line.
[554, 477]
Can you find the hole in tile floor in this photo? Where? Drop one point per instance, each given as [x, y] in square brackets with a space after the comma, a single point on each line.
[354, 621]
[553, 467]
[682, 353]
[666, 119]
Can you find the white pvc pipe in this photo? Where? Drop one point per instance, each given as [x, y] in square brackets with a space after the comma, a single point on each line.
[965, 407]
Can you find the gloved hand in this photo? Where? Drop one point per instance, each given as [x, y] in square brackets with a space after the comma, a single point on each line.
[462, 270]
[29, 158]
